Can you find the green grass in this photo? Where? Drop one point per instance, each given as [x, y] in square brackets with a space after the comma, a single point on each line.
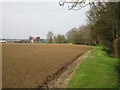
[97, 70]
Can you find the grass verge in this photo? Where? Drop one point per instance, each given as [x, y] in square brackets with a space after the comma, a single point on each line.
[98, 70]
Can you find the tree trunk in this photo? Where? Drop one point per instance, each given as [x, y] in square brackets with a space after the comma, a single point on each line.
[117, 48]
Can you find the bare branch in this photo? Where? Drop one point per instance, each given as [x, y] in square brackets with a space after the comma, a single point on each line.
[74, 4]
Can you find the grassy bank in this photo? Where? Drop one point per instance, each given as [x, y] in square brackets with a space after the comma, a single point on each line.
[98, 70]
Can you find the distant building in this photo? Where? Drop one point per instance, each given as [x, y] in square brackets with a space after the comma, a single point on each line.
[12, 40]
[3, 41]
[33, 40]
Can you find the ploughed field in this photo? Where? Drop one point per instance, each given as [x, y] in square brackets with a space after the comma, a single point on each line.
[28, 65]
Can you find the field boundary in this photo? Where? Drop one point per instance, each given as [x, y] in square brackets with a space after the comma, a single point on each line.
[61, 78]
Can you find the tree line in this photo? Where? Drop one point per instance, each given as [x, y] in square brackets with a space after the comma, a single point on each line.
[103, 28]
[104, 21]
[79, 35]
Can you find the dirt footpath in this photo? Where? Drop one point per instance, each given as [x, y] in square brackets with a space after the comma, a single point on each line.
[64, 77]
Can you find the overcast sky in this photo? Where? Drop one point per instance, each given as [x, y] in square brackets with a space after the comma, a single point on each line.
[21, 20]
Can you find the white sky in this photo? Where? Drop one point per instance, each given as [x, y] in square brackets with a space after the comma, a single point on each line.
[23, 19]
[0, 21]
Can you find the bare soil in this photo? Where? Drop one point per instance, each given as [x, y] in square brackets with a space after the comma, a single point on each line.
[62, 81]
[36, 65]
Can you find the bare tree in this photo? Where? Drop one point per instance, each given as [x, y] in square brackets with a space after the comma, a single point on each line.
[59, 38]
[50, 37]
[73, 36]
